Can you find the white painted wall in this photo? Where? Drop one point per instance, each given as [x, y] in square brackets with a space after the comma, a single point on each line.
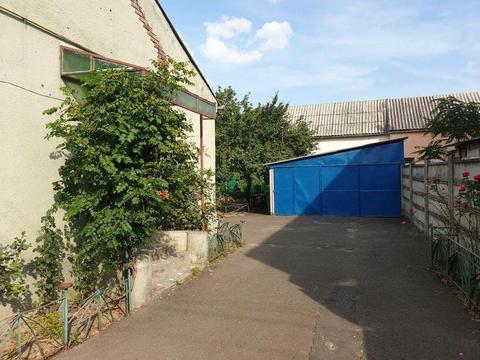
[30, 58]
[334, 144]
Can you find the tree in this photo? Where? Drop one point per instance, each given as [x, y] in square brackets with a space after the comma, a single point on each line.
[128, 168]
[248, 137]
[452, 120]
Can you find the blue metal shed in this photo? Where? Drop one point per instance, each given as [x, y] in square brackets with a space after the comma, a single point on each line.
[359, 181]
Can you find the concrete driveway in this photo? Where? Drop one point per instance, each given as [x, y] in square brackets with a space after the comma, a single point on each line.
[304, 288]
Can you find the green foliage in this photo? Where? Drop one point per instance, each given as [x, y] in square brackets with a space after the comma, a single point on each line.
[48, 325]
[196, 271]
[435, 150]
[462, 216]
[12, 269]
[128, 170]
[248, 137]
[49, 262]
[452, 120]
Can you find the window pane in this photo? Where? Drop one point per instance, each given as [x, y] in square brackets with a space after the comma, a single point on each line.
[185, 99]
[104, 65]
[73, 61]
[207, 108]
[77, 90]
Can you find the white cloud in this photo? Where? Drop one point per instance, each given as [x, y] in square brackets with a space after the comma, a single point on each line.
[228, 27]
[243, 49]
[217, 51]
[274, 35]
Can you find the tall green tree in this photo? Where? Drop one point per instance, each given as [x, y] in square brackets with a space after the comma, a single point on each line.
[451, 120]
[248, 137]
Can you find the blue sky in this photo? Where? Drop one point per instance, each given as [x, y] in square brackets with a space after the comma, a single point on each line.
[315, 51]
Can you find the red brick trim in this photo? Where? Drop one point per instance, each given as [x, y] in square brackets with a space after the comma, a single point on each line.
[153, 37]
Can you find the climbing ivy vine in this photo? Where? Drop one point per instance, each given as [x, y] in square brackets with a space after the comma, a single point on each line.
[12, 269]
[129, 170]
[48, 264]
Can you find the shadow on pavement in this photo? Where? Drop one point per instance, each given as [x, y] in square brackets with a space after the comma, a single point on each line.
[377, 299]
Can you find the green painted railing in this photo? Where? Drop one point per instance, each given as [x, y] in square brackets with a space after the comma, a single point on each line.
[226, 237]
[458, 263]
[42, 332]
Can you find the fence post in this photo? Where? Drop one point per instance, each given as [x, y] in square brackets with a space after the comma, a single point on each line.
[427, 200]
[451, 185]
[64, 287]
[19, 336]
[99, 309]
[242, 227]
[128, 284]
[410, 170]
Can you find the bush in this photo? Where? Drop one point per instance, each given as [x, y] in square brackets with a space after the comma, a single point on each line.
[128, 167]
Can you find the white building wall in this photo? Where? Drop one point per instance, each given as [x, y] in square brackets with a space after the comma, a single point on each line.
[30, 58]
[334, 144]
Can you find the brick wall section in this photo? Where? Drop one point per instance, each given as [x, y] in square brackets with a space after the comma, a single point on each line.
[153, 37]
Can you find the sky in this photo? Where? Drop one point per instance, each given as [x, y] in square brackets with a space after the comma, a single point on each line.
[318, 51]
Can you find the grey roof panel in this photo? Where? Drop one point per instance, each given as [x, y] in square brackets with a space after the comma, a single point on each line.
[371, 117]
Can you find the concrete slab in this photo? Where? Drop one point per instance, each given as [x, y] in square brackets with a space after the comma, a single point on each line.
[304, 288]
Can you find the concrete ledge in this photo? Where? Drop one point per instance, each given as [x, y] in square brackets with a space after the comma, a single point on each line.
[197, 246]
[190, 245]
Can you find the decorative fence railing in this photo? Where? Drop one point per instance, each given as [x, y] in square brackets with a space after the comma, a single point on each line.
[226, 237]
[44, 331]
[457, 263]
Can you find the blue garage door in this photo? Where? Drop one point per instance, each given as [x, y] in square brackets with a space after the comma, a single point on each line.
[360, 181]
[354, 190]
[380, 190]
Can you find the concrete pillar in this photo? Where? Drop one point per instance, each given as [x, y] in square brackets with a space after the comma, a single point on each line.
[142, 285]
[197, 246]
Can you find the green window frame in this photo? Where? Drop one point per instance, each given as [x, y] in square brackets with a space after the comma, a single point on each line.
[77, 64]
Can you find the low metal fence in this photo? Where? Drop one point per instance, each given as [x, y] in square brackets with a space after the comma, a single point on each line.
[459, 264]
[44, 331]
[226, 237]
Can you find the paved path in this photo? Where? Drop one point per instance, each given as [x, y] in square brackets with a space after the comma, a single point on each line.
[304, 288]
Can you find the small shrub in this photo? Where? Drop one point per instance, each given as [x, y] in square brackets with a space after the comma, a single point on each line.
[49, 262]
[196, 271]
[48, 325]
[12, 269]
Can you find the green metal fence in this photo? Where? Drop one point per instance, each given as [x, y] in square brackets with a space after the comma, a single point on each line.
[42, 332]
[226, 237]
[459, 264]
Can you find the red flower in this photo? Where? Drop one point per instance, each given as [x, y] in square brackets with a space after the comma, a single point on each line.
[163, 194]
[466, 174]
[410, 211]
[462, 188]
[477, 177]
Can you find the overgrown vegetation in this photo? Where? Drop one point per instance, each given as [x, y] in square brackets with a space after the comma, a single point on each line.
[129, 169]
[48, 264]
[12, 269]
[248, 137]
[462, 217]
[451, 120]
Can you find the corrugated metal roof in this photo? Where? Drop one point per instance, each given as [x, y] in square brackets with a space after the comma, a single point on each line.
[337, 151]
[371, 117]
